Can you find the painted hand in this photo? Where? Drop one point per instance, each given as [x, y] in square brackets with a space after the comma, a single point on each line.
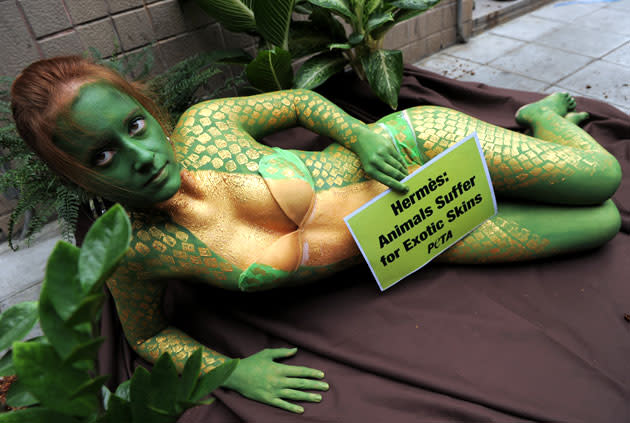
[260, 378]
[381, 160]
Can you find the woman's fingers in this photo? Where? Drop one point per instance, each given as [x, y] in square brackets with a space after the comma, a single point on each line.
[396, 160]
[296, 395]
[280, 403]
[281, 352]
[390, 182]
[391, 171]
[300, 371]
[306, 384]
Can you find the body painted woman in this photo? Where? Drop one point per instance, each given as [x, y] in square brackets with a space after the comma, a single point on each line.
[219, 207]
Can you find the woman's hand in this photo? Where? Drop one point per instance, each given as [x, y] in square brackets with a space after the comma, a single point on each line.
[260, 378]
[381, 160]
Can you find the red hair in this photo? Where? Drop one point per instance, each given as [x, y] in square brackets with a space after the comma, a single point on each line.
[45, 90]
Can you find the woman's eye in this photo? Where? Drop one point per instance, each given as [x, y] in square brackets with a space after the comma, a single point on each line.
[103, 158]
[136, 126]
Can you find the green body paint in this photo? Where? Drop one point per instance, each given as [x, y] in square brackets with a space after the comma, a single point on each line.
[122, 144]
[226, 169]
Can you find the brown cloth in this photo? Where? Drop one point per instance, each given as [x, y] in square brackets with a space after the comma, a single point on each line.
[537, 341]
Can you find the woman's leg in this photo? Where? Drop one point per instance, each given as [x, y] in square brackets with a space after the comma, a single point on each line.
[570, 168]
[525, 231]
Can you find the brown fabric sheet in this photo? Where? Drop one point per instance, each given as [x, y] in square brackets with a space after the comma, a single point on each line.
[538, 341]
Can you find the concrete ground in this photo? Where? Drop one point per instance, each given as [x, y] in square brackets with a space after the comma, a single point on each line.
[579, 46]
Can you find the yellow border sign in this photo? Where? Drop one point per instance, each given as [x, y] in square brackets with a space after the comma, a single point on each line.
[448, 197]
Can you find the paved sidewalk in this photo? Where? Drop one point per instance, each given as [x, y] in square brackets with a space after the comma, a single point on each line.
[579, 46]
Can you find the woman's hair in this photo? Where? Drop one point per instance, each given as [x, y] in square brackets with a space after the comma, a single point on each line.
[44, 92]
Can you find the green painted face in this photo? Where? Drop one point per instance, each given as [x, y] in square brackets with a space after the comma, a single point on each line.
[113, 135]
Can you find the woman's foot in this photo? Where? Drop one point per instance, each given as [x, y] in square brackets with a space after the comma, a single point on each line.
[576, 117]
[558, 103]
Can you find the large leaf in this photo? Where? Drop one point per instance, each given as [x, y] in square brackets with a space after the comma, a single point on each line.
[272, 20]
[306, 39]
[19, 396]
[118, 411]
[105, 244]
[62, 278]
[52, 382]
[235, 15]
[271, 70]
[324, 21]
[371, 7]
[377, 20]
[212, 380]
[140, 391]
[6, 364]
[164, 382]
[189, 376]
[63, 337]
[16, 322]
[339, 6]
[87, 351]
[35, 415]
[383, 69]
[318, 69]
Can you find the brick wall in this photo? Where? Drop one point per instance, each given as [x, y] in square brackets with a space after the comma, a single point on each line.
[34, 29]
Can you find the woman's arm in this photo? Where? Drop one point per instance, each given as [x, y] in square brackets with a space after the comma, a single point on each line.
[263, 114]
[139, 304]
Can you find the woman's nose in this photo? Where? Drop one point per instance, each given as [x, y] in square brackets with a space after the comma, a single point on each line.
[143, 161]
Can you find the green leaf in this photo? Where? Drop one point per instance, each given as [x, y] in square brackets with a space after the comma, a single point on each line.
[62, 278]
[339, 6]
[421, 5]
[306, 39]
[340, 46]
[123, 390]
[87, 310]
[164, 380]
[35, 415]
[118, 411]
[316, 70]
[355, 38]
[90, 388]
[87, 351]
[52, 382]
[6, 364]
[16, 322]
[212, 380]
[105, 244]
[383, 69]
[19, 395]
[325, 22]
[140, 392]
[273, 19]
[271, 70]
[235, 15]
[371, 6]
[189, 376]
[105, 395]
[377, 20]
[63, 337]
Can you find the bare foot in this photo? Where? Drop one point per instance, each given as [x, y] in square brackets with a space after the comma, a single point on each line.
[558, 103]
[576, 117]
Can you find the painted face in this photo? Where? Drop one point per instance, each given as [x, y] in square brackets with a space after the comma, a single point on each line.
[113, 135]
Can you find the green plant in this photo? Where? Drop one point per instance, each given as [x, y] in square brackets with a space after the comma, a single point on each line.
[56, 379]
[39, 189]
[319, 33]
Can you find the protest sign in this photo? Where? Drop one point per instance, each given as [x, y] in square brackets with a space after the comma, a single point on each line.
[448, 197]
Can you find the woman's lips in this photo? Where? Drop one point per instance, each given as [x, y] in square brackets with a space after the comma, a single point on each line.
[158, 175]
